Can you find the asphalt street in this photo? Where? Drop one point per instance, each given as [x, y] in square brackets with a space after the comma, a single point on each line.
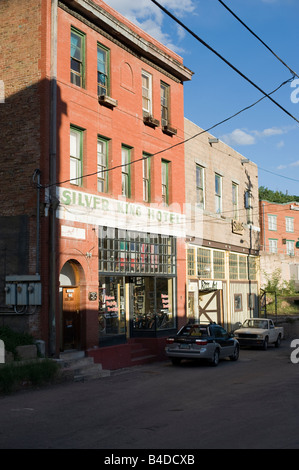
[249, 404]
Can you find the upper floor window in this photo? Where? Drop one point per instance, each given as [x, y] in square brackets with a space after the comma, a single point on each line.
[146, 166]
[272, 245]
[218, 193]
[290, 247]
[77, 57]
[249, 207]
[272, 222]
[103, 70]
[102, 164]
[76, 155]
[165, 89]
[126, 173]
[200, 201]
[289, 224]
[235, 200]
[146, 93]
[165, 188]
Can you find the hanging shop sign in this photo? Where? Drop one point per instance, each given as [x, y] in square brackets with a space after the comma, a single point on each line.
[237, 227]
[209, 285]
[77, 206]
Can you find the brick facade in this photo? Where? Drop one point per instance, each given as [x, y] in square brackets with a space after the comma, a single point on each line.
[30, 76]
[279, 235]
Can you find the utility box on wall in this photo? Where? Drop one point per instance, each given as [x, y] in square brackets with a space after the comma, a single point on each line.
[23, 290]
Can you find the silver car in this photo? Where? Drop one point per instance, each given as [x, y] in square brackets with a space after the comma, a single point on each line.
[202, 341]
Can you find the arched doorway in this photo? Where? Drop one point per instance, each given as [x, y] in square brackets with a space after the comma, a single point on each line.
[71, 321]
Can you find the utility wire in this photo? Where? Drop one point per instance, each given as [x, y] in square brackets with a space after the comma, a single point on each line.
[258, 38]
[223, 59]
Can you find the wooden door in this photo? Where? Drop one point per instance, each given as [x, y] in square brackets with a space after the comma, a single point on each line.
[209, 306]
[71, 318]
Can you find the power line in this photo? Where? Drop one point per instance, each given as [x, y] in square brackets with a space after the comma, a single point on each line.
[258, 38]
[223, 59]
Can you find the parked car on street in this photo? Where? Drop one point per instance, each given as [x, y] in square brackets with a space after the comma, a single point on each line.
[202, 341]
[259, 332]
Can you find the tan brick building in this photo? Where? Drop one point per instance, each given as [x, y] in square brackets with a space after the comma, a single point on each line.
[223, 230]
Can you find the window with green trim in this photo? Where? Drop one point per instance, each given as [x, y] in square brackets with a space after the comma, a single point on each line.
[125, 171]
[77, 58]
[165, 187]
[102, 164]
[103, 60]
[76, 155]
[146, 175]
[165, 89]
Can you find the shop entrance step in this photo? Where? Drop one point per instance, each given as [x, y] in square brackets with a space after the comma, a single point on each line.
[76, 366]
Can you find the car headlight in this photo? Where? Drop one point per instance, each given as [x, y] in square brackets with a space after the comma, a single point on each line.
[260, 336]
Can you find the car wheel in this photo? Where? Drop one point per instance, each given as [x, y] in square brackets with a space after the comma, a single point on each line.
[265, 344]
[176, 361]
[215, 360]
[278, 341]
[235, 356]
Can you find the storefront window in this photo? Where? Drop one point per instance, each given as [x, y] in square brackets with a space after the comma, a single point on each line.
[137, 282]
[164, 301]
[112, 318]
[153, 303]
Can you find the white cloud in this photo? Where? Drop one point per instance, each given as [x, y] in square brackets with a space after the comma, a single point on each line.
[250, 137]
[280, 144]
[238, 137]
[290, 165]
[149, 17]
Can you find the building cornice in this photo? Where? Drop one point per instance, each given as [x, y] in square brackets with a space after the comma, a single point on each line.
[105, 23]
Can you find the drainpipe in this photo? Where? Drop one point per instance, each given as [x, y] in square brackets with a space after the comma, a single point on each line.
[52, 180]
[37, 174]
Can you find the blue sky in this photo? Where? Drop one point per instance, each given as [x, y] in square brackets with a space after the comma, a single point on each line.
[264, 134]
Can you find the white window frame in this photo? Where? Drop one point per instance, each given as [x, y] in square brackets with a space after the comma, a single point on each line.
[272, 222]
[290, 224]
[273, 245]
[200, 189]
[290, 247]
[76, 156]
[147, 93]
[235, 200]
[218, 194]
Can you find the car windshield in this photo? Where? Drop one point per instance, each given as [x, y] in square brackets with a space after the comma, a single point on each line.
[263, 324]
[194, 330]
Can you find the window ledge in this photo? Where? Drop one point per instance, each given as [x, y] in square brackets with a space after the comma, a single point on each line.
[169, 130]
[151, 121]
[107, 101]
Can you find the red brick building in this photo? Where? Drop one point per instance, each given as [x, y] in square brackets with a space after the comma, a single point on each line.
[92, 214]
[279, 240]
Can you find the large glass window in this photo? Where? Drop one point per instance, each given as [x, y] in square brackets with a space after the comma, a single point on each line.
[122, 251]
[153, 303]
[112, 317]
